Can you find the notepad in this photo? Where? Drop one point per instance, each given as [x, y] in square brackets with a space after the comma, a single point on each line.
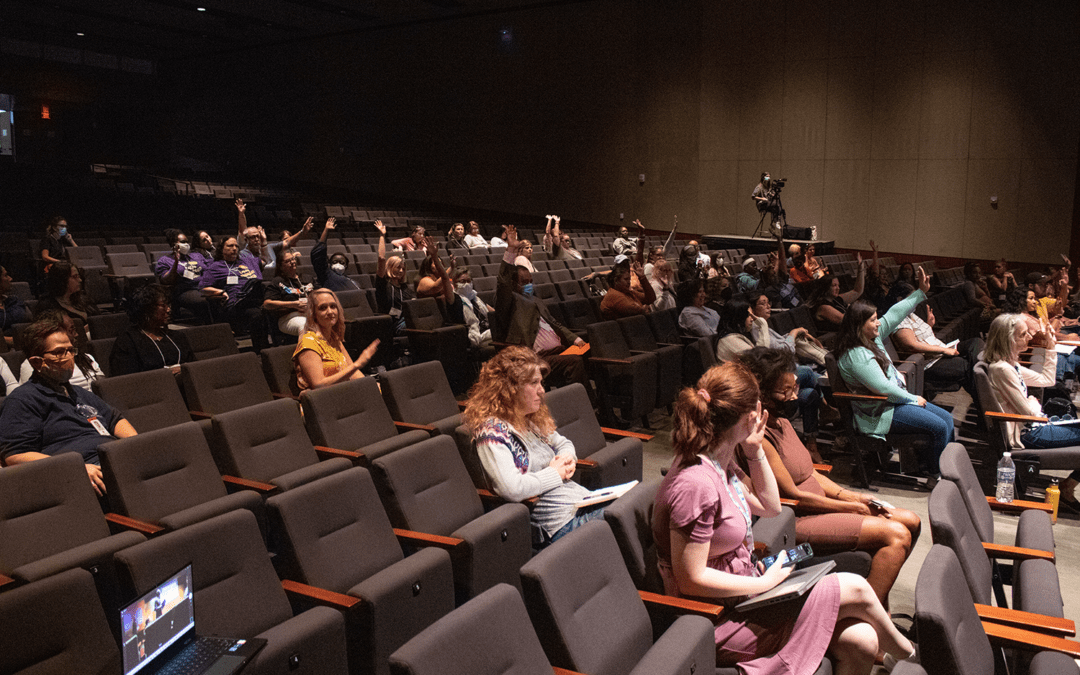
[606, 494]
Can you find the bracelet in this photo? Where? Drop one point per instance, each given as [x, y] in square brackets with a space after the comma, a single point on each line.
[761, 458]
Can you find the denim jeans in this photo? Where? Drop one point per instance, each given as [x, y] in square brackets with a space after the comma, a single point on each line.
[938, 422]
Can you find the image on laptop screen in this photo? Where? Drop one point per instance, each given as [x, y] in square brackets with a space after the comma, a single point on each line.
[156, 620]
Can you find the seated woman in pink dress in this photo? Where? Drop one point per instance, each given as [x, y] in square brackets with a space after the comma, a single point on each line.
[836, 519]
[701, 524]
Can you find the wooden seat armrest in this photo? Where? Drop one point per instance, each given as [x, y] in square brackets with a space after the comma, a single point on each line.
[1010, 417]
[462, 405]
[793, 503]
[408, 426]
[263, 489]
[1016, 553]
[199, 415]
[419, 331]
[278, 395]
[1050, 625]
[586, 464]
[1018, 638]
[329, 453]
[667, 344]
[1018, 505]
[683, 606]
[133, 524]
[320, 596]
[823, 468]
[859, 397]
[489, 497]
[564, 671]
[425, 539]
[618, 362]
[619, 433]
[5, 580]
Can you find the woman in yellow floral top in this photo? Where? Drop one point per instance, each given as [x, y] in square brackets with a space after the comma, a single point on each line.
[320, 357]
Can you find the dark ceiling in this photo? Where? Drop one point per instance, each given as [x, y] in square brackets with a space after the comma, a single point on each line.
[163, 30]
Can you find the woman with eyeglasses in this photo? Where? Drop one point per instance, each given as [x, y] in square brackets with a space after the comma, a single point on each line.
[86, 366]
[149, 344]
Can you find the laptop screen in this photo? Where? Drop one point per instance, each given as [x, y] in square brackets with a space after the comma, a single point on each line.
[156, 620]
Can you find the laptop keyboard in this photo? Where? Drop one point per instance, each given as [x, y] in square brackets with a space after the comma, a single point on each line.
[195, 658]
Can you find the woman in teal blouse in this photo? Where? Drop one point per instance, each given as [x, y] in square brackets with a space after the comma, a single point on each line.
[866, 368]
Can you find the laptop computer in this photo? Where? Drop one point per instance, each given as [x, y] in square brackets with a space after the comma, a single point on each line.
[159, 635]
[797, 584]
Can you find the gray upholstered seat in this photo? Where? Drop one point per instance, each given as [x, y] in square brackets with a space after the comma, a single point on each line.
[1034, 529]
[352, 415]
[279, 371]
[56, 625]
[268, 443]
[168, 478]
[489, 635]
[951, 635]
[335, 535]
[225, 383]
[210, 342]
[617, 462]
[1035, 581]
[421, 394]
[50, 521]
[149, 400]
[669, 357]
[624, 380]
[590, 618]
[237, 593]
[426, 487]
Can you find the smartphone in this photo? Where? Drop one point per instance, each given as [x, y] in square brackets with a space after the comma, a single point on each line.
[795, 556]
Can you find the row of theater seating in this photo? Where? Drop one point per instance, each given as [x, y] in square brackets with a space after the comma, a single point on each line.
[591, 603]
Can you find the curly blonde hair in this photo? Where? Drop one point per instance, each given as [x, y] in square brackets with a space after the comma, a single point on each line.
[495, 393]
[312, 324]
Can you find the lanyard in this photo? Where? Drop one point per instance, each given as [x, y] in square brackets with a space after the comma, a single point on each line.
[740, 502]
[154, 342]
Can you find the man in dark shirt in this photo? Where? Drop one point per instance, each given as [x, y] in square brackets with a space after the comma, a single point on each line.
[330, 273]
[48, 416]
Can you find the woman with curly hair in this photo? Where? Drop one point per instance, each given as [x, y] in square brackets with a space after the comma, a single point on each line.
[64, 293]
[701, 525]
[522, 454]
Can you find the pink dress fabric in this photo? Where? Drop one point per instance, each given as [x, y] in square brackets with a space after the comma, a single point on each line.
[789, 637]
[828, 532]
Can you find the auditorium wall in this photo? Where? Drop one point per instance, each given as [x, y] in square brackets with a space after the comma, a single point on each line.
[892, 121]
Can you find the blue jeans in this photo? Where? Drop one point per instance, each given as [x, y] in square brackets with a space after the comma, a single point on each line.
[809, 398]
[584, 515]
[938, 422]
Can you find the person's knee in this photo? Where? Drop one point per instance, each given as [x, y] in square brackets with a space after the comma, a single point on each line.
[898, 535]
[855, 591]
[857, 642]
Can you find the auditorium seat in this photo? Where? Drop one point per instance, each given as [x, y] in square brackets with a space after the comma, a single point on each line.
[149, 401]
[212, 341]
[215, 386]
[421, 394]
[625, 381]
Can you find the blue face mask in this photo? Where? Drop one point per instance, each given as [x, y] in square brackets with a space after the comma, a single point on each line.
[63, 231]
[527, 289]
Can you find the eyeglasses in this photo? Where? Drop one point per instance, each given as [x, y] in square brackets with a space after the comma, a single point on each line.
[61, 353]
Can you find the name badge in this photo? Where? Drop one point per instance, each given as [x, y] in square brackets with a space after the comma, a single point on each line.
[98, 426]
[232, 280]
[394, 312]
[188, 274]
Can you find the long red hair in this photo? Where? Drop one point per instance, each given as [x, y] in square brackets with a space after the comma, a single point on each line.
[700, 420]
[495, 392]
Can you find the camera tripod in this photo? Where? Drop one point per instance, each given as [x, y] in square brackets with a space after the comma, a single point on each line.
[779, 218]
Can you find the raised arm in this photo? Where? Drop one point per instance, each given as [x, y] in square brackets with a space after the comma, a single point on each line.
[436, 264]
[860, 282]
[312, 368]
[781, 260]
[874, 266]
[640, 257]
[290, 241]
[380, 271]
[241, 219]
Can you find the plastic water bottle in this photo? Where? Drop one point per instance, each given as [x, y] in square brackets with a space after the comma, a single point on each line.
[1006, 479]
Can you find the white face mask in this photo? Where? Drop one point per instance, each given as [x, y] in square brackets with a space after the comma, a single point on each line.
[467, 291]
[338, 267]
[184, 248]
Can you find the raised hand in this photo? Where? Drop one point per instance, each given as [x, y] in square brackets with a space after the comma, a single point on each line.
[873, 245]
[380, 227]
[430, 247]
[240, 206]
[923, 280]
[512, 238]
[331, 223]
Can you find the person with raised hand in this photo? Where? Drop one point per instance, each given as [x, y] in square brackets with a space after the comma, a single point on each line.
[321, 358]
[391, 291]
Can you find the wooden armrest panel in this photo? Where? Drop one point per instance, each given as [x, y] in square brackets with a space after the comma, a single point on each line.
[133, 524]
[859, 397]
[320, 595]
[789, 502]
[586, 464]
[1016, 553]
[683, 606]
[5, 580]
[823, 468]
[277, 395]
[564, 671]
[409, 426]
[1018, 638]
[247, 484]
[462, 405]
[199, 415]
[424, 539]
[350, 455]
[619, 362]
[492, 498]
[609, 431]
[1009, 417]
[419, 331]
[1027, 620]
[1018, 505]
